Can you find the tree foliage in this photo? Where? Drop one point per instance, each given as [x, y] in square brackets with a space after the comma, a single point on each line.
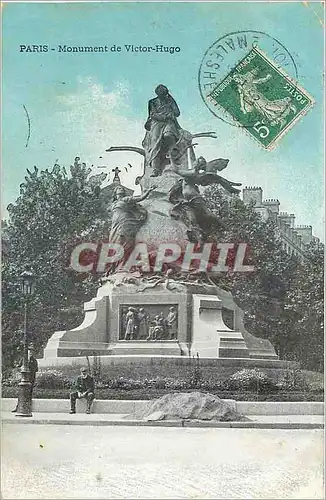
[53, 211]
[304, 307]
[283, 297]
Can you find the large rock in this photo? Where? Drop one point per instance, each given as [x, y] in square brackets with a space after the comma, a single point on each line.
[188, 406]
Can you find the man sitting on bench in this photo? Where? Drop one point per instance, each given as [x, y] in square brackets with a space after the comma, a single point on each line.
[85, 389]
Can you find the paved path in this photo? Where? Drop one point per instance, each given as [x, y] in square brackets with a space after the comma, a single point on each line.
[255, 421]
[66, 462]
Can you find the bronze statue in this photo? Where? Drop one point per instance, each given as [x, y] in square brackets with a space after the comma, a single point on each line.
[187, 200]
[166, 144]
[127, 216]
[162, 129]
[203, 173]
[180, 155]
[188, 203]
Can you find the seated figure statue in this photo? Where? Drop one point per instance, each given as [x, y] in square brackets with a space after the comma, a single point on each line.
[162, 130]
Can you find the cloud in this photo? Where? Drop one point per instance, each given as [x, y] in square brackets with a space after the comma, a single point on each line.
[90, 120]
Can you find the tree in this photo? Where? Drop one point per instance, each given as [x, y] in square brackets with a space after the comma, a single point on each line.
[53, 211]
[305, 306]
[282, 297]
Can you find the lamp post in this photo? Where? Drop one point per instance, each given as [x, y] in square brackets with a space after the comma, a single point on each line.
[24, 406]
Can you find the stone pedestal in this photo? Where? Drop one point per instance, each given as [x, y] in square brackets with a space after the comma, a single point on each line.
[88, 338]
[102, 331]
[159, 227]
[211, 337]
[199, 327]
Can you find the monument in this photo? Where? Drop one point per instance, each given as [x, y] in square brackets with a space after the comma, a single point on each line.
[169, 312]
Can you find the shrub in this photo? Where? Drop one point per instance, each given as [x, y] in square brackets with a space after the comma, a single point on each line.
[195, 378]
[293, 379]
[213, 384]
[101, 384]
[10, 382]
[251, 380]
[176, 385]
[52, 379]
[155, 383]
[124, 383]
[95, 369]
[147, 383]
[193, 381]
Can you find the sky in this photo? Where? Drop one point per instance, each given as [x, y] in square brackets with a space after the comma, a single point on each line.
[80, 104]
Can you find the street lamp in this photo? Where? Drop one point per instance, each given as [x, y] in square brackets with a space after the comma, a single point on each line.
[24, 405]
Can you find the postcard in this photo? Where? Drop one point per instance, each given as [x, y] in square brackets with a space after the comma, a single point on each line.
[162, 250]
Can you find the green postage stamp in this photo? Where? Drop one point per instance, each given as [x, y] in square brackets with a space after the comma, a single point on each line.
[261, 98]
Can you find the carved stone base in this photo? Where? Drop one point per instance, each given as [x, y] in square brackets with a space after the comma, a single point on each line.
[160, 347]
[199, 325]
[211, 336]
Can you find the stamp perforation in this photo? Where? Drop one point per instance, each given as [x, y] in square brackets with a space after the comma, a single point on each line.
[287, 126]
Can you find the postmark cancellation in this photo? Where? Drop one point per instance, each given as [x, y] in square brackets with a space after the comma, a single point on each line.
[261, 98]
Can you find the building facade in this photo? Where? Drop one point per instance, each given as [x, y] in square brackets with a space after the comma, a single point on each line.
[294, 238]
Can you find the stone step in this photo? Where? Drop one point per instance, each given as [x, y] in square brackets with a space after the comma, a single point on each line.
[143, 347]
[130, 406]
[101, 419]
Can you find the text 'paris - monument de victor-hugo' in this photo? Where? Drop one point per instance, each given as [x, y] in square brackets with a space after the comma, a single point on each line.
[173, 314]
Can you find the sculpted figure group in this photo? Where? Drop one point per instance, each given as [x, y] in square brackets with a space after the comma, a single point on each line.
[127, 217]
[167, 145]
[138, 324]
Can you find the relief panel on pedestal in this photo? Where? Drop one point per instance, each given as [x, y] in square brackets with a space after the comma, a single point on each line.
[150, 322]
